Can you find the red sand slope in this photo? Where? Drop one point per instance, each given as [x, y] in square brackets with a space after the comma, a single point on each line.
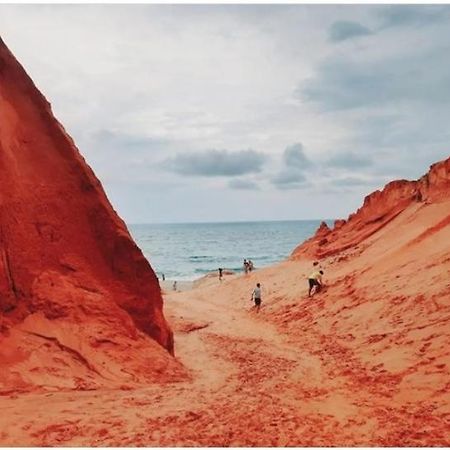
[77, 298]
[379, 208]
[366, 362]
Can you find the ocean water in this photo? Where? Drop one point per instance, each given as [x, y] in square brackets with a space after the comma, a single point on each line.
[189, 251]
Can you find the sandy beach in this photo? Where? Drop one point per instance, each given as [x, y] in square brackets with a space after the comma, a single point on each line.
[365, 362]
[94, 353]
[210, 279]
[181, 286]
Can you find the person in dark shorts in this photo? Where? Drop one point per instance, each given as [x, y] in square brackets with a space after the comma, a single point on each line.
[315, 282]
[256, 296]
[220, 273]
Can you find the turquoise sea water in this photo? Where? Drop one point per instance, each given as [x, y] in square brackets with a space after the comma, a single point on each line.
[189, 251]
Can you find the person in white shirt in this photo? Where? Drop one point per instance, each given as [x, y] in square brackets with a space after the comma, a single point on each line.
[256, 296]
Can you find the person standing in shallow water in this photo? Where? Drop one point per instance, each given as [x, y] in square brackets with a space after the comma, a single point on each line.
[256, 297]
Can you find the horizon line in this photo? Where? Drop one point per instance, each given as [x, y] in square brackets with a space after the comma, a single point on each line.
[228, 222]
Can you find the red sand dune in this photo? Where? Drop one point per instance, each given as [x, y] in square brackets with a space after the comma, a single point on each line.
[366, 362]
[379, 208]
[78, 299]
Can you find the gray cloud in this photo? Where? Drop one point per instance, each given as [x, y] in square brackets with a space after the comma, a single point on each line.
[414, 15]
[350, 160]
[212, 163]
[402, 103]
[289, 179]
[241, 184]
[295, 162]
[342, 30]
[346, 83]
[294, 156]
[390, 16]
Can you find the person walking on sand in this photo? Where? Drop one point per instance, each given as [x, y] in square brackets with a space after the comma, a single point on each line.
[174, 285]
[245, 266]
[256, 297]
[315, 282]
[220, 273]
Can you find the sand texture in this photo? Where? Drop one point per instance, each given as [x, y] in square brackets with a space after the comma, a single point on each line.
[366, 362]
[84, 347]
[78, 300]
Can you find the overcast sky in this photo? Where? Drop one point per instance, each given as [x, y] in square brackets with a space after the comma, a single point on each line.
[223, 113]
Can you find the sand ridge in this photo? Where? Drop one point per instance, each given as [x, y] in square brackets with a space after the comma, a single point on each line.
[364, 363]
[78, 300]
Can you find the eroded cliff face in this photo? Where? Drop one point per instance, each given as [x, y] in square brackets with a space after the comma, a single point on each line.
[379, 209]
[66, 259]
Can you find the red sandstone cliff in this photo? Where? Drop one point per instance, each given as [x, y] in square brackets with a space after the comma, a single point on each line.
[72, 281]
[379, 209]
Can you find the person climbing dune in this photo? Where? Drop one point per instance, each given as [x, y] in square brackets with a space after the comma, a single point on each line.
[315, 282]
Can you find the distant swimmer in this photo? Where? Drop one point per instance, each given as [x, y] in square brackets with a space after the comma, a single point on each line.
[220, 273]
[315, 281]
[256, 296]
